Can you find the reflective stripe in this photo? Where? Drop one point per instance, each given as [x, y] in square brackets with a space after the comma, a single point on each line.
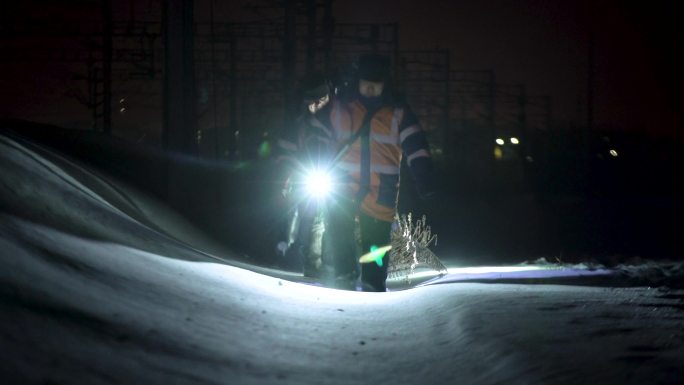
[287, 145]
[389, 139]
[422, 153]
[317, 123]
[397, 116]
[393, 137]
[385, 169]
[348, 166]
[337, 122]
[319, 139]
[377, 168]
[408, 131]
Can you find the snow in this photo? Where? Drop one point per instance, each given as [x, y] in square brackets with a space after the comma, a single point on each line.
[96, 290]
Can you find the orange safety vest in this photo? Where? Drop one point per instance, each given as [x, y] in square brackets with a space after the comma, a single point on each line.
[385, 155]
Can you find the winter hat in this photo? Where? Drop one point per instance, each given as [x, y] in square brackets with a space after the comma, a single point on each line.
[374, 67]
[314, 86]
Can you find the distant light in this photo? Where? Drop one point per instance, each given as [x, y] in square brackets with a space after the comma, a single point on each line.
[515, 140]
[500, 141]
[498, 154]
[529, 159]
[122, 110]
[613, 153]
[122, 100]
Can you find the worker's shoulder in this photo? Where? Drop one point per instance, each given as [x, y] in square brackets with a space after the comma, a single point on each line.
[399, 100]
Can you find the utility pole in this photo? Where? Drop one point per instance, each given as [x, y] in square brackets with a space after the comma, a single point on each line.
[289, 55]
[179, 130]
[586, 133]
[107, 66]
[179, 82]
[311, 35]
[590, 78]
[232, 99]
[447, 108]
[491, 104]
[522, 124]
[328, 29]
[218, 136]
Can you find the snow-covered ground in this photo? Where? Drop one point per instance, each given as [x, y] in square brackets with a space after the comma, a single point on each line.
[102, 285]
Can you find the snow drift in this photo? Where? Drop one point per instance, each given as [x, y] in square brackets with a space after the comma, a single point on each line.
[101, 285]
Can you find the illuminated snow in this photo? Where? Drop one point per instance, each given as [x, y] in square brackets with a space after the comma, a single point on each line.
[91, 294]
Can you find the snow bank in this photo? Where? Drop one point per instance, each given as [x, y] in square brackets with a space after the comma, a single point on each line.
[47, 188]
[93, 291]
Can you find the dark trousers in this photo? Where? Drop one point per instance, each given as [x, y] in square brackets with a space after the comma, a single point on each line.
[348, 235]
[374, 232]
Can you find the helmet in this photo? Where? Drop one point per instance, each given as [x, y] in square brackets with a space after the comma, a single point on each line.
[314, 86]
[315, 91]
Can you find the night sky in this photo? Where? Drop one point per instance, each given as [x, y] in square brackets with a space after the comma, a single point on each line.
[544, 46]
[540, 44]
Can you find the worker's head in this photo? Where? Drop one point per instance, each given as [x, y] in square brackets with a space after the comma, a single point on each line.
[315, 92]
[370, 89]
[373, 73]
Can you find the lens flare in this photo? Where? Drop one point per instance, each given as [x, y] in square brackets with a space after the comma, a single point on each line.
[375, 254]
[318, 184]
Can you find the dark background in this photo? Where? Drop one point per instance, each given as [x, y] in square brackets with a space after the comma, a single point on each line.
[577, 82]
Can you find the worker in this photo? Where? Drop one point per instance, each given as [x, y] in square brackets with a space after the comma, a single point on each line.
[306, 145]
[373, 129]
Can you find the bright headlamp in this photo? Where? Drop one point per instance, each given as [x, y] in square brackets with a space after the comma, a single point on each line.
[318, 184]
